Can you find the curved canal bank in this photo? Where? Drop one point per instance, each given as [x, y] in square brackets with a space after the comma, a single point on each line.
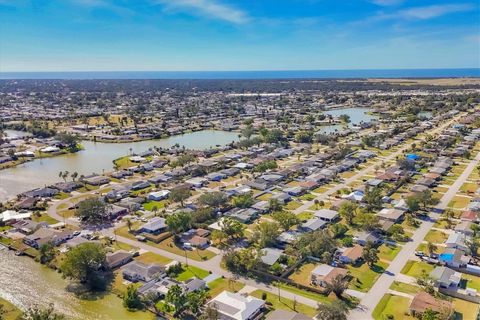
[26, 283]
[97, 157]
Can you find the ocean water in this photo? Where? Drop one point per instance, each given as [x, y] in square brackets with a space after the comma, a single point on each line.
[293, 74]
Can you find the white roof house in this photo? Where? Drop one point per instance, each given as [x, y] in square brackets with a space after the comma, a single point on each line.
[237, 307]
[158, 195]
[14, 215]
[326, 214]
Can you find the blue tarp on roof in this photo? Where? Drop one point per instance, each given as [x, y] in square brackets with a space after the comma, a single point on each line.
[446, 256]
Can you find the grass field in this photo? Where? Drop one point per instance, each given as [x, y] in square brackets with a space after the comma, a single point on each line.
[416, 268]
[150, 257]
[465, 310]
[405, 287]
[221, 284]
[11, 311]
[284, 304]
[364, 277]
[199, 255]
[388, 252]
[190, 272]
[436, 236]
[392, 305]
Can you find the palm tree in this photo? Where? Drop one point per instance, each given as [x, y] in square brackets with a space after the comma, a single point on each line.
[74, 175]
[431, 248]
[338, 285]
[129, 224]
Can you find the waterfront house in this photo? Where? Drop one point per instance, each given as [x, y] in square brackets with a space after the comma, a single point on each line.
[47, 235]
[118, 258]
[137, 271]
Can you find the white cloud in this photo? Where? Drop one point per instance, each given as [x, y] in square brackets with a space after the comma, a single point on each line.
[429, 12]
[209, 8]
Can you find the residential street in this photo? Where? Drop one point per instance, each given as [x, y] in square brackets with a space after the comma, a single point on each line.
[382, 285]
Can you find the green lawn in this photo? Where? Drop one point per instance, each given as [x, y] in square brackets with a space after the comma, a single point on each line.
[388, 252]
[150, 204]
[11, 311]
[44, 218]
[190, 272]
[221, 284]
[284, 303]
[415, 268]
[465, 310]
[364, 277]
[292, 205]
[436, 236]
[472, 281]
[305, 215]
[199, 255]
[405, 287]
[150, 257]
[459, 202]
[392, 305]
[307, 294]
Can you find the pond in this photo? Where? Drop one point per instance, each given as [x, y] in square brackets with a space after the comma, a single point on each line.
[26, 283]
[97, 157]
[357, 115]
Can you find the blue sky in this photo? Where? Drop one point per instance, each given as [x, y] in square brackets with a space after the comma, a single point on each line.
[191, 35]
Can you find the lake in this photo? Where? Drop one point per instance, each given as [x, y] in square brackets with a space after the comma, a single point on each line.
[97, 158]
[26, 283]
[357, 115]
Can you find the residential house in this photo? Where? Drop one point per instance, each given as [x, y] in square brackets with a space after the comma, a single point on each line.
[286, 315]
[351, 255]
[362, 238]
[137, 271]
[327, 215]
[424, 301]
[158, 195]
[234, 306]
[445, 277]
[323, 274]
[47, 235]
[270, 256]
[155, 225]
[118, 258]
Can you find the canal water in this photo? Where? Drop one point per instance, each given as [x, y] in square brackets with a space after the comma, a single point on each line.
[97, 157]
[26, 283]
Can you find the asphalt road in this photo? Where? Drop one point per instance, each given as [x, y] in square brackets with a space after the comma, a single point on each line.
[380, 288]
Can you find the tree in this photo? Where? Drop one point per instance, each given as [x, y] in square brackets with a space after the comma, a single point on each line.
[396, 231]
[241, 261]
[431, 248]
[210, 312]
[412, 203]
[373, 198]
[333, 311]
[74, 175]
[344, 118]
[47, 252]
[370, 254]
[266, 165]
[265, 233]
[232, 228]
[176, 298]
[37, 313]
[274, 205]
[69, 140]
[83, 263]
[338, 230]
[247, 132]
[214, 199]
[366, 221]
[473, 245]
[449, 214]
[426, 199]
[131, 299]
[219, 237]
[179, 222]
[179, 194]
[243, 201]
[319, 244]
[337, 285]
[348, 210]
[476, 229]
[129, 224]
[2, 307]
[196, 300]
[93, 211]
[286, 219]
